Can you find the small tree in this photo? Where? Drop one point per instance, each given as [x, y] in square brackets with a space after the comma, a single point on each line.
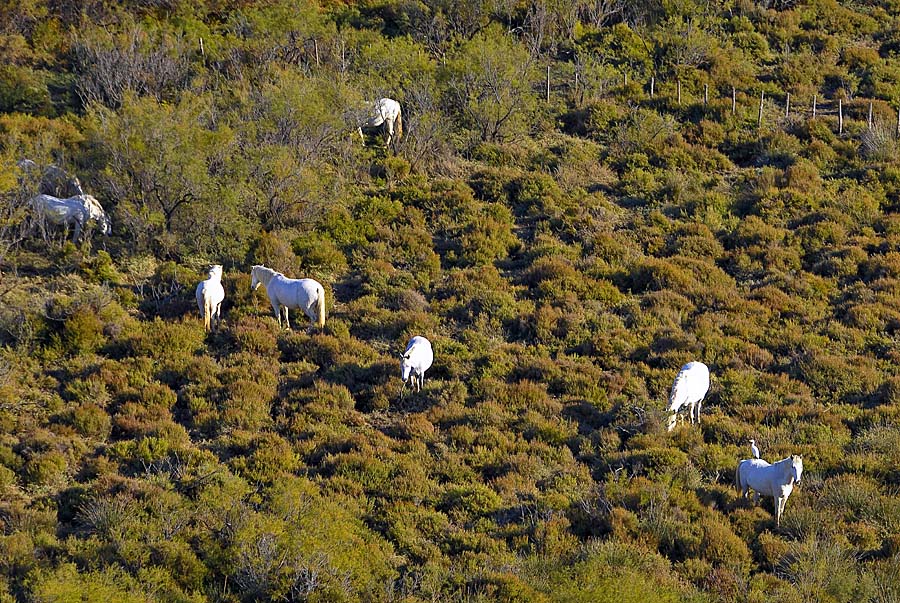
[489, 83]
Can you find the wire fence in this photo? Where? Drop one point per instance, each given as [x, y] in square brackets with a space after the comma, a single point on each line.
[874, 112]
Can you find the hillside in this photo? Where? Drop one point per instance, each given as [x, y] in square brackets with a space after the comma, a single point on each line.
[587, 194]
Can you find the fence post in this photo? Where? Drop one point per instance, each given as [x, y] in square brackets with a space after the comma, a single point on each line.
[762, 98]
[898, 123]
[815, 98]
[316, 46]
[840, 116]
[548, 83]
[733, 100]
[787, 105]
[679, 92]
[652, 83]
[870, 115]
[201, 48]
[624, 79]
[705, 94]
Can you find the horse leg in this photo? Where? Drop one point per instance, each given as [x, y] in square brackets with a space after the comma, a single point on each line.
[778, 508]
[277, 309]
[389, 128]
[699, 404]
[287, 321]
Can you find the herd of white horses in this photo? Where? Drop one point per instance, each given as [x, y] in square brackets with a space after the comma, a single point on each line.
[61, 200]
[688, 390]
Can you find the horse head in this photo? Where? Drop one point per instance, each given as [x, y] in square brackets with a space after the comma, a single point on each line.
[215, 271]
[254, 278]
[797, 467]
[405, 367]
[105, 225]
[94, 211]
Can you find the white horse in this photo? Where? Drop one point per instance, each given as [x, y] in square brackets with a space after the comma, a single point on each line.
[776, 480]
[305, 293]
[210, 295]
[688, 390]
[415, 361]
[385, 113]
[77, 210]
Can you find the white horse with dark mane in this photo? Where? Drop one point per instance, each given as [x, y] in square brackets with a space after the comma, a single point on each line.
[415, 361]
[77, 210]
[776, 480]
[304, 293]
[385, 114]
[210, 295]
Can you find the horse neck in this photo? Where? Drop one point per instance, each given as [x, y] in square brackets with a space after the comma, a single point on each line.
[786, 466]
[265, 275]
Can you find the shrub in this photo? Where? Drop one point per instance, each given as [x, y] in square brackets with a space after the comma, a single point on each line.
[91, 421]
[46, 469]
[83, 331]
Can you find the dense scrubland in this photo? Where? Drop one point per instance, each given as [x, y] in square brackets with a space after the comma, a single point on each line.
[564, 256]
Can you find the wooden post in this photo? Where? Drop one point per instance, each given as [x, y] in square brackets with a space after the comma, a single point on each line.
[787, 105]
[870, 115]
[316, 46]
[840, 116]
[624, 79]
[762, 98]
[201, 48]
[815, 98]
[576, 83]
[548, 83]
[652, 83]
[679, 92]
[898, 123]
[705, 94]
[733, 100]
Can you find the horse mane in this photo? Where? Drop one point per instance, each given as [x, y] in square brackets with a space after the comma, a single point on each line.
[265, 269]
[680, 378]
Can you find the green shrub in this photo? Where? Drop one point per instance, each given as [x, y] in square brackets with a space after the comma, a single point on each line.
[91, 421]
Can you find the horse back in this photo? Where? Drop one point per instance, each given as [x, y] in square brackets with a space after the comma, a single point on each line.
[420, 352]
[294, 292]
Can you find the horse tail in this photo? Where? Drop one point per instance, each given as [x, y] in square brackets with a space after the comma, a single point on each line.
[320, 307]
[398, 125]
[737, 477]
[207, 311]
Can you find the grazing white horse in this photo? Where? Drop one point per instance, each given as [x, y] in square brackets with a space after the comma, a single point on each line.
[776, 480]
[688, 390]
[385, 113]
[304, 293]
[77, 210]
[415, 361]
[210, 295]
